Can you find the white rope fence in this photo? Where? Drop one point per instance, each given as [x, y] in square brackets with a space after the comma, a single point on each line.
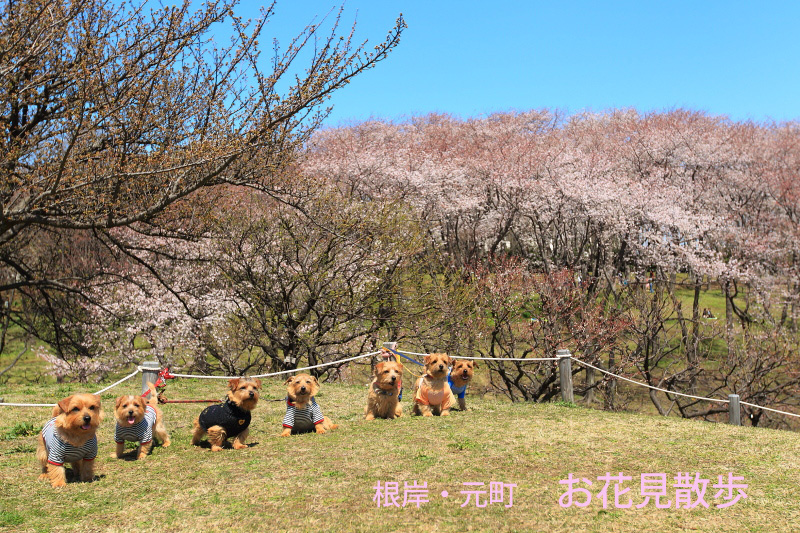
[566, 378]
[713, 400]
[126, 378]
[584, 363]
[330, 363]
[199, 376]
[520, 359]
[770, 409]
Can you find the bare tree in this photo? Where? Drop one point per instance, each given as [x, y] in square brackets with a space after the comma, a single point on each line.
[317, 292]
[119, 115]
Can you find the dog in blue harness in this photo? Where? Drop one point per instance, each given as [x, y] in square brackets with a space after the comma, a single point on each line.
[458, 378]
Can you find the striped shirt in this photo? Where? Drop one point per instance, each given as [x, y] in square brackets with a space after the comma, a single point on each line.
[141, 432]
[60, 452]
[302, 419]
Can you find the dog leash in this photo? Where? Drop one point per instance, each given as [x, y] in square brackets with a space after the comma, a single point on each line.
[163, 376]
[404, 356]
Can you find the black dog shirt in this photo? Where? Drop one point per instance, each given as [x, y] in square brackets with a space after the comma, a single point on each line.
[232, 418]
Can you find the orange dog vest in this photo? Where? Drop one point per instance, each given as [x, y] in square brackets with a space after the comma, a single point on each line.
[427, 396]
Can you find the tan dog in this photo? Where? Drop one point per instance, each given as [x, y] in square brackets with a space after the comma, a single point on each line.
[230, 419]
[432, 394]
[137, 420]
[382, 400]
[70, 437]
[303, 415]
[458, 379]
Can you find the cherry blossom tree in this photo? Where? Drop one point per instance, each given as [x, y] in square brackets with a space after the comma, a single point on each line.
[643, 207]
[120, 114]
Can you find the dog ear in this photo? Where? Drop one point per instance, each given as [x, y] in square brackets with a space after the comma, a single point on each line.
[448, 359]
[63, 405]
[427, 359]
[378, 368]
[118, 402]
[99, 406]
[474, 364]
[233, 383]
[316, 381]
[288, 380]
[258, 383]
[142, 401]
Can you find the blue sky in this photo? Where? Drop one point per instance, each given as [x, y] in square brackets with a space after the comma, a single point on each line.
[471, 58]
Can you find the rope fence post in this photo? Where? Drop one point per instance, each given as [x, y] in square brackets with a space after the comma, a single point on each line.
[565, 374]
[150, 371]
[734, 414]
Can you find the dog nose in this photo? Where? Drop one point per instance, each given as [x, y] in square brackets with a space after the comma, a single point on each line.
[394, 378]
[87, 418]
[303, 388]
[441, 367]
[251, 394]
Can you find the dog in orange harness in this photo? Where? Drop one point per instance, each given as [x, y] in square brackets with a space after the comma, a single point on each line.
[432, 394]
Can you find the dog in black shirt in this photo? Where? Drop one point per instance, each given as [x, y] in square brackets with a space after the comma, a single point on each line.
[230, 419]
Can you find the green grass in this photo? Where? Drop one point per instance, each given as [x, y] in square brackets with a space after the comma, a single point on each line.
[325, 482]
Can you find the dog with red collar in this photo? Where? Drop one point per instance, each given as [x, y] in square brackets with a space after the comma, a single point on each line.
[303, 414]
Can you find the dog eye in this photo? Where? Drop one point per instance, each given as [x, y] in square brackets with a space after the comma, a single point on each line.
[91, 408]
[76, 409]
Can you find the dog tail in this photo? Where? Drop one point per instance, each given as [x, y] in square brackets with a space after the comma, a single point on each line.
[152, 398]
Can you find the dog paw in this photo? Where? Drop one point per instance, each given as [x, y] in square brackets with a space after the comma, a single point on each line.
[320, 431]
[166, 444]
[113, 455]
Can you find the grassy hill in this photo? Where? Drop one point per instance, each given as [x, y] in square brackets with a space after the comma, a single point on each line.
[326, 482]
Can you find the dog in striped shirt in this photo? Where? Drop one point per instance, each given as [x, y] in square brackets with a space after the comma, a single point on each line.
[303, 415]
[70, 437]
[137, 420]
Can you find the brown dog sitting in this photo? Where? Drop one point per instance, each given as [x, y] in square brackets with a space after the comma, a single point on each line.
[303, 415]
[137, 420]
[458, 378]
[432, 394]
[230, 419]
[70, 437]
[383, 400]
